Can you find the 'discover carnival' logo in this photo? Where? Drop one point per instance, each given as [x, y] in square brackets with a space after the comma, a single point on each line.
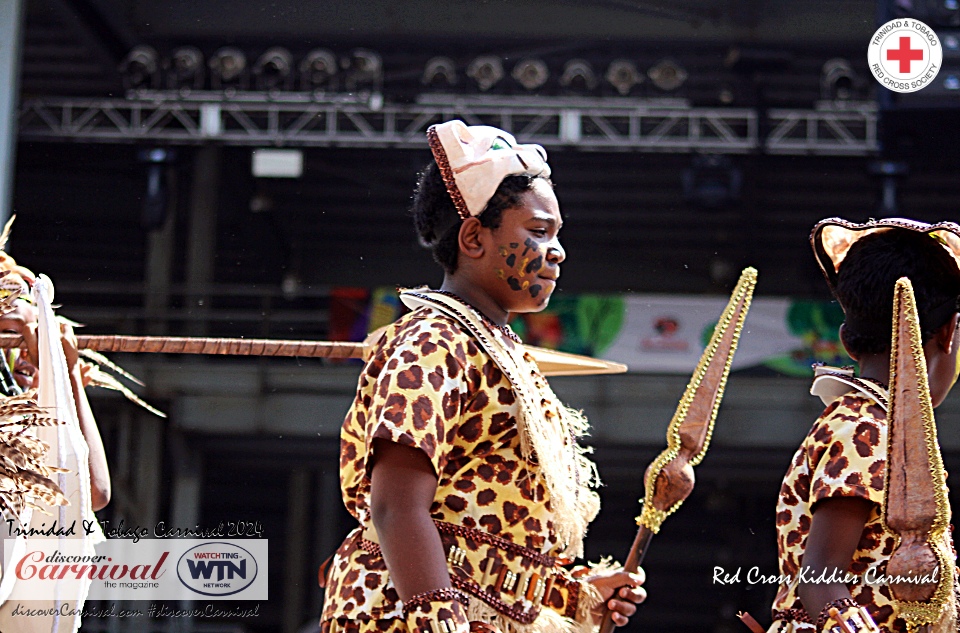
[217, 569]
[905, 55]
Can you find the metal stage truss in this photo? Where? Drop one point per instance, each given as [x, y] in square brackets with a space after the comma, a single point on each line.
[611, 124]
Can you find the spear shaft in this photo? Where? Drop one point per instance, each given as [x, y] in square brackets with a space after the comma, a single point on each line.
[198, 345]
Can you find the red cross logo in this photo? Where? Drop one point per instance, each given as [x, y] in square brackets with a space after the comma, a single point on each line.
[905, 55]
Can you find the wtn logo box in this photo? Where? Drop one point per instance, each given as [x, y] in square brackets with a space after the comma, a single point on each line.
[217, 569]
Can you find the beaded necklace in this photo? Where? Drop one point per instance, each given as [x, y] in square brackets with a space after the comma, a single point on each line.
[504, 329]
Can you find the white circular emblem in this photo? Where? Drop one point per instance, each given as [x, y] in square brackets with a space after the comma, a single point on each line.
[905, 55]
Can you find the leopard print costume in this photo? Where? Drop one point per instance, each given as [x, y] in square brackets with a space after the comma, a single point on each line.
[843, 455]
[430, 386]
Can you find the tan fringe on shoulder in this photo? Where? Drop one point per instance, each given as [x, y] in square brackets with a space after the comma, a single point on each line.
[549, 432]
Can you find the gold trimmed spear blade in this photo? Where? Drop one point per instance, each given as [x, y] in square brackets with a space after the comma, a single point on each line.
[669, 478]
[916, 507]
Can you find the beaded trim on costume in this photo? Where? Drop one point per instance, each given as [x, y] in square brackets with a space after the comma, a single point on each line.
[447, 172]
[522, 612]
[792, 615]
[567, 472]
[839, 603]
[477, 535]
[504, 329]
[435, 595]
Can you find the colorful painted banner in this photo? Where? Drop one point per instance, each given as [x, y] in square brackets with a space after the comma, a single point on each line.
[666, 334]
[649, 333]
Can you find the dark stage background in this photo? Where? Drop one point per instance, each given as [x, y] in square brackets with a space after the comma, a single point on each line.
[690, 139]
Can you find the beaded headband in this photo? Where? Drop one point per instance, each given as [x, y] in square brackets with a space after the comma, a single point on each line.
[474, 160]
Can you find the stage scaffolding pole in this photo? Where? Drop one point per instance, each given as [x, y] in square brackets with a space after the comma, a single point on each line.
[11, 47]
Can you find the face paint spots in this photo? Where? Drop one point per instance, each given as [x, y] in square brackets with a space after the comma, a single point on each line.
[534, 266]
[516, 284]
[521, 270]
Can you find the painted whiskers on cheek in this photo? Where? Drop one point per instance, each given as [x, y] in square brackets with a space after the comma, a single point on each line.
[522, 263]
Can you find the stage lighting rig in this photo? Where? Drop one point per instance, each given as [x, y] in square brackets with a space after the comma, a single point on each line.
[318, 70]
[623, 75]
[440, 72]
[228, 69]
[185, 69]
[579, 76]
[667, 75]
[364, 71]
[486, 70]
[531, 73]
[838, 80]
[936, 13]
[140, 69]
[274, 70]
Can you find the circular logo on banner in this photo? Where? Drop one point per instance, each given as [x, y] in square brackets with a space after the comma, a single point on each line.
[217, 569]
[905, 55]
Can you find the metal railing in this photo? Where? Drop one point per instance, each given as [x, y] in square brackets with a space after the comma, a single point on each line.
[299, 120]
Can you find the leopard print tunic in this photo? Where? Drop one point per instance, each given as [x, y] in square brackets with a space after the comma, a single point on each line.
[428, 385]
[843, 455]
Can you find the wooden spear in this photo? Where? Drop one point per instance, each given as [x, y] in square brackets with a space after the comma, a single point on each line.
[551, 362]
[669, 478]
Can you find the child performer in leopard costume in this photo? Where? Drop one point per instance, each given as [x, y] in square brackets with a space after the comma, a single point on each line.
[460, 464]
[833, 543]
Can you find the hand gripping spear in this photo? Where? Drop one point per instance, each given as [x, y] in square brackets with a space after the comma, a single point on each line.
[669, 478]
[916, 508]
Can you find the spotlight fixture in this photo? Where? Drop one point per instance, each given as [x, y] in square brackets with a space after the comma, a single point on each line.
[318, 70]
[185, 69]
[667, 75]
[140, 69]
[837, 80]
[948, 13]
[273, 70]
[531, 73]
[153, 214]
[364, 71]
[486, 70]
[623, 75]
[440, 72]
[579, 76]
[712, 181]
[228, 68]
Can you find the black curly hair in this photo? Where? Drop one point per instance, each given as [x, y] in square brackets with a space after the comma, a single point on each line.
[437, 221]
[867, 277]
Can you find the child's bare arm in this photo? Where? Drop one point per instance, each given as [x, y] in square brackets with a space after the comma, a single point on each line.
[834, 535]
[403, 485]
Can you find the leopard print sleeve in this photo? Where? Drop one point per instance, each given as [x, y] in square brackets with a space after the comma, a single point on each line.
[416, 398]
[846, 452]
